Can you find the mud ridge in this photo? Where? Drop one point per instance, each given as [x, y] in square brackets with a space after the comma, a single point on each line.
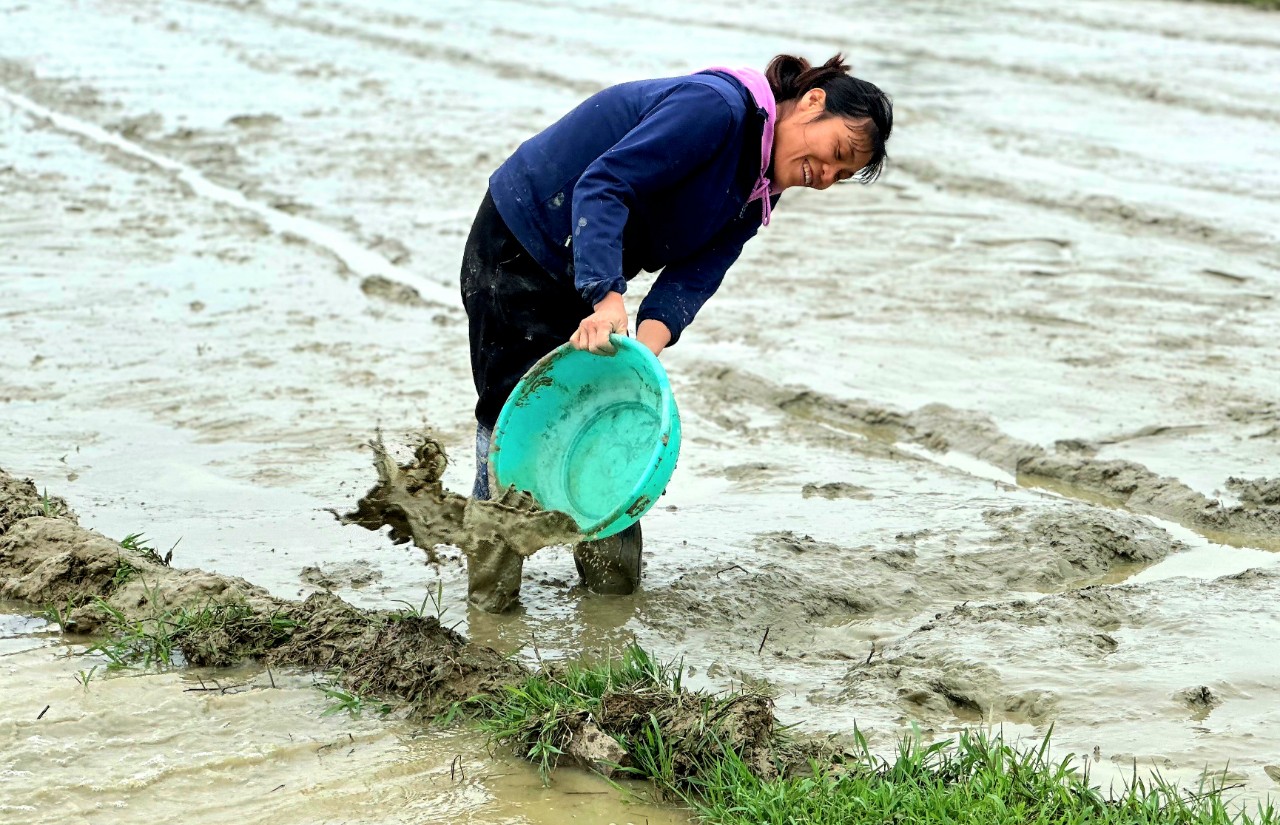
[1096, 209]
[408, 289]
[415, 48]
[98, 586]
[1029, 550]
[1070, 471]
[1143, 92]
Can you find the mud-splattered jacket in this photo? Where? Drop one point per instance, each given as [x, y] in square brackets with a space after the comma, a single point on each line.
[652, 175]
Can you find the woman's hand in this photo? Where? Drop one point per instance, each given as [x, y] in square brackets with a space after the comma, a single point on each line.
[594, 331]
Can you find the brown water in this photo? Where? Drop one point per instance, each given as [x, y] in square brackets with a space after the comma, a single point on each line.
[244, 745]
[1073, 254]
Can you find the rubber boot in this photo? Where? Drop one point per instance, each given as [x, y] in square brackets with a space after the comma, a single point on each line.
[611, 566]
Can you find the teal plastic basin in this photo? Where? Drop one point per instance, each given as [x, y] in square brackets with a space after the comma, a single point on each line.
[594, 436]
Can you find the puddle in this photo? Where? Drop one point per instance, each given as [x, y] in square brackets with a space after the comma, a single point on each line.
[151, 746]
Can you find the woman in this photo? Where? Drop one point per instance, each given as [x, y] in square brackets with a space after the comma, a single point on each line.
[674, 174]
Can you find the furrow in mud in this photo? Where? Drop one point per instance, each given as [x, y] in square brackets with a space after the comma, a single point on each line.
[1119, 86]
[1025, 549]
[1130, 218]
[1148, 28]
[1071, 470]
[379, 276]
[415, 48]
[1150, 92]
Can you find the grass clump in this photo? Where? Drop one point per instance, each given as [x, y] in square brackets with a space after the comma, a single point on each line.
[49, 507]
[540, 715]
[342, 700]
[137, 543]
[724, 758]
[976, 778]
[214, 635]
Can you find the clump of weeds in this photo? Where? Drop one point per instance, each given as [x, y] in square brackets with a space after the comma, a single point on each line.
[85, 676]
[137, 543]
[342, 700]
[434, 600]
[539, 715]
[216, 634]
[49, 507]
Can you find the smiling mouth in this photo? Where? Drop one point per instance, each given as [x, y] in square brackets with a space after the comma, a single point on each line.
[808, 173]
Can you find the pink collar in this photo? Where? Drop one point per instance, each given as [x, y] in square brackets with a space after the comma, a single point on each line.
[758, 85]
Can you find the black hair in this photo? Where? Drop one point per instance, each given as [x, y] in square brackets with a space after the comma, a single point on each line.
[792, 77]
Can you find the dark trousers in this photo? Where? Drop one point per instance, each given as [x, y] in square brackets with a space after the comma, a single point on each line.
[517, 312]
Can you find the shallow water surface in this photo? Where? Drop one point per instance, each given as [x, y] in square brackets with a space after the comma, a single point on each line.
[244, 745]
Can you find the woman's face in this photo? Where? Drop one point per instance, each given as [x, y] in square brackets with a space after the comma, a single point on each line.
[813, 151]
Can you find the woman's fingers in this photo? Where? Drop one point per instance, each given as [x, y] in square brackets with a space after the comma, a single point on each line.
[598, 337]
[582, 337]
[603, 345]
[593, 333]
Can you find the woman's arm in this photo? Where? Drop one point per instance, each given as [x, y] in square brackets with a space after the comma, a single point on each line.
[685, 130]
[654, 335]
[685, 285]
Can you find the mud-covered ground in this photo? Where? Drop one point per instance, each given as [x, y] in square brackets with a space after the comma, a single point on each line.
[1039, 355]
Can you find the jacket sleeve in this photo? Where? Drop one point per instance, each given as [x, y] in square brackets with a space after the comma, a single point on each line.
[682, 132]
[685, 285]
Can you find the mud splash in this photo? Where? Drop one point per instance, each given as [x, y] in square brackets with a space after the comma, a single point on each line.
[496, 536]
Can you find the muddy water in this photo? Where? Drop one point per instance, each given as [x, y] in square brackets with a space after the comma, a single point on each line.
[237, 745]
[1072, 262]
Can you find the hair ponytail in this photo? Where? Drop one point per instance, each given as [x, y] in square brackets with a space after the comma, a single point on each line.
[790, 77]
[783, 73]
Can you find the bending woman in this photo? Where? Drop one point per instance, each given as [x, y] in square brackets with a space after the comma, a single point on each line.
[671, 175]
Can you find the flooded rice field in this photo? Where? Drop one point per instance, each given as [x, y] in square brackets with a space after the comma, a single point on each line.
[995, 441]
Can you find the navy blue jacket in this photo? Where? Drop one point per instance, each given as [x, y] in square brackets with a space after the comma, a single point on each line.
[650, 175]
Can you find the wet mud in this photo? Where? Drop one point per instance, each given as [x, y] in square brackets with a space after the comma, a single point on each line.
[1137, 488]
[1029, 549]
[971, 661]
[385, 289]
[99, 587]
[950, 666]
[354, 575]
[1066, 320]
[102, 588]
[1256, 493]
[1070, 469]
[495, 536]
